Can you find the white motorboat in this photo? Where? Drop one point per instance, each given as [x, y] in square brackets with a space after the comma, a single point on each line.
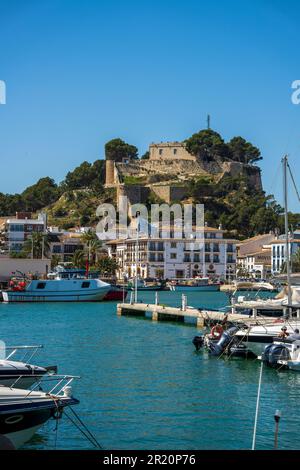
[19, 373]
[197, 284]
[64, 286]
[249, 285]
[23, 412]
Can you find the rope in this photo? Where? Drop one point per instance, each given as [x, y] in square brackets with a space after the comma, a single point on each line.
[294, 183]
[85, 427]
[87, 434]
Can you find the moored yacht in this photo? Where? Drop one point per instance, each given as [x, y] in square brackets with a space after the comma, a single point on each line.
[23, 412]
[19, 373]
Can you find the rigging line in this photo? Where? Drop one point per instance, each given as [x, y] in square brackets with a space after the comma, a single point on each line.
[275, 178]
[85, 427]
[294, 183]
[81, 430]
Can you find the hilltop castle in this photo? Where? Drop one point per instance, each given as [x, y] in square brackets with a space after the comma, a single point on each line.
[169, 163]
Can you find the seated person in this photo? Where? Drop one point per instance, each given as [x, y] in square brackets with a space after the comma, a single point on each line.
[283, 334]
[295, 336]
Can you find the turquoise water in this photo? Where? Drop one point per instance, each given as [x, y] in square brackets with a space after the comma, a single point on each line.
[144, 387]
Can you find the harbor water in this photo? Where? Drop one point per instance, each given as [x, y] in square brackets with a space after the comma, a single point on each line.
[142, 384]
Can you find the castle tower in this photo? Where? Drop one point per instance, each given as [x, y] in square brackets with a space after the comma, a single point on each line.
[109, 173]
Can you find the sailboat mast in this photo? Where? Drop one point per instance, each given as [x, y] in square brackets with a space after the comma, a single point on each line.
[286, 224]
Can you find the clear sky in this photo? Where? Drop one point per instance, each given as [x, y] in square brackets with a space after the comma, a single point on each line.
[79, 73]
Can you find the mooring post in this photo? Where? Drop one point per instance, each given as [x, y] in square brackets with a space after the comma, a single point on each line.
[156, 298]
[119, 310]
[155, 315]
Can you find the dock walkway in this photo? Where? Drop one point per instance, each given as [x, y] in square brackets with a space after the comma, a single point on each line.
[164, 313]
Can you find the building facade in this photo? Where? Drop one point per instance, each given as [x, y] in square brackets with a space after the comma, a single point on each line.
[175, 258]
[278, 252]
[20, 228]
[169, 150]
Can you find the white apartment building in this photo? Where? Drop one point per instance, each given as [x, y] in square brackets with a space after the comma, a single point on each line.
[257, 265]
[278, 252]
[20, 228]
[171, 257]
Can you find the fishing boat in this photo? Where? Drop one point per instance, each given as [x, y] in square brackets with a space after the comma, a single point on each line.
[23, 412]
[197, 284]
[61, 286]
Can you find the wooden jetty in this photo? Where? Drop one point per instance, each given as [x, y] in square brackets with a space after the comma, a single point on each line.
[158, 312]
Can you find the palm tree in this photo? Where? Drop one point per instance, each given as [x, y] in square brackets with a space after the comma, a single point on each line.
[37, 244]
[296, 261]
[91, 242]
[78, 259]
[55, 260]
[94, 249]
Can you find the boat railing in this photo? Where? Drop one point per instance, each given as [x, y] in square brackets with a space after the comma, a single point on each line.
[59, 388]
[29, 351]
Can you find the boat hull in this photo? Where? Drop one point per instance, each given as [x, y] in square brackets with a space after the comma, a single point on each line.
[70, 296]
[209, 288]
[19, 421]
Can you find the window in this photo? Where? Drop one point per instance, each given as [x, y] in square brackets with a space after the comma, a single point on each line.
[216, 259]
[207, 258]
[173, 244]
[160, 257]
[175, 151]
[85, 285]
[173, 255]
[207, 247]
[41, 285]
[179, 273]
[196, 258]
[160, 151]
[187, 258]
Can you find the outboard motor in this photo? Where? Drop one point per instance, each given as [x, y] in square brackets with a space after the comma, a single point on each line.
[198, 342]
[216, 348]
[273, 353]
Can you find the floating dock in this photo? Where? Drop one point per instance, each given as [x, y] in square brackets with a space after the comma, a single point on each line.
[199, 317]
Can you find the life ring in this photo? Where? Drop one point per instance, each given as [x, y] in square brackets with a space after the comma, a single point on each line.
[217, 331]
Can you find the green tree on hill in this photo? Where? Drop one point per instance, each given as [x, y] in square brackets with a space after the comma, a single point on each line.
[87, 175]
[243, 151]
[207, 144]
[117, 149]
[39, 195]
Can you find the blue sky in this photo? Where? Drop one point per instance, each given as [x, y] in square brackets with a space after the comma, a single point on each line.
[79, 73]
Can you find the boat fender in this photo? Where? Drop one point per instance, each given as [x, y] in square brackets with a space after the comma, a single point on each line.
[216, 331]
